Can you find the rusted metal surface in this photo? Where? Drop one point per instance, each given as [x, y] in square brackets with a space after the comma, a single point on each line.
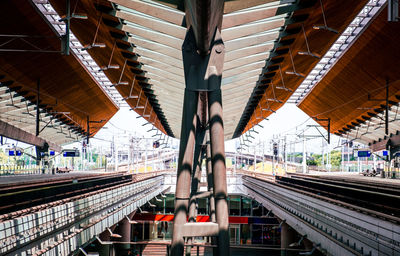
[185, 165]
[204, 17]
[202, 114]
[219, 170]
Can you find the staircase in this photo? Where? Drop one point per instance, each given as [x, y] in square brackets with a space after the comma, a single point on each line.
[161, 250]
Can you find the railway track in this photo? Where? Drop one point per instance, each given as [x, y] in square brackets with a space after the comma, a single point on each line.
[17, 197]
[377, 199]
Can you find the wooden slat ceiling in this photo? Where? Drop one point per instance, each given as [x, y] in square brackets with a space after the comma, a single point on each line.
[339, 13]
[158, 31]
[110, 33]
[258, 42]
[342, 94]
[65, 86]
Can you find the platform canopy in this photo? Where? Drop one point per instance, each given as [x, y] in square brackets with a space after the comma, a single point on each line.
[276, 51]
[356, 85]
[158, 32]
[262, 41]
[42, 90]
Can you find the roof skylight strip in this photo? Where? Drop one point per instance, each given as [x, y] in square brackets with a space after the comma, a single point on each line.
[337, 50]
[48, 12]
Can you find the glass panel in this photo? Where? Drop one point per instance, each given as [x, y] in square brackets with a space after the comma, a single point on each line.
[169, 204]
[257, 234]
[234, 233]
[202, 206]
[137, 232]
[164, 230]
[245, 234]
[257, 208]
[246, 206]
[271, 235]
[159, 205]
[234, 205]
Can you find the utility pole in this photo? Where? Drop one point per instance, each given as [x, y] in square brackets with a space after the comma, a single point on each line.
[255, 158]
[342, 162]
[115, 155]
[304, 154]
[263, 155]
[145, 155]
[285, 155]
[323, 153]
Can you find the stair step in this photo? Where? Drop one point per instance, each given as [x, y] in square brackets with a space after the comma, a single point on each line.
[161, 250]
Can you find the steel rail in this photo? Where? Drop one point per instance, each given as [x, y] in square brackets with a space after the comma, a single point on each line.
[376, 201]
[18, 213]
[369, 212]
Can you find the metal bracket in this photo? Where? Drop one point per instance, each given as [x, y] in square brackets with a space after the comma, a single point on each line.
[393, 10]
[386, 99]
[328, 127]
[203, 73]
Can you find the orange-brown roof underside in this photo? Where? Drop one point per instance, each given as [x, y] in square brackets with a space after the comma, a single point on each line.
[65, 86]
[342, 95]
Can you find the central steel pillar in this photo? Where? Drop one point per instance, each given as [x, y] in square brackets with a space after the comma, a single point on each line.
[202, 109]
[185, 163]
[219, 170]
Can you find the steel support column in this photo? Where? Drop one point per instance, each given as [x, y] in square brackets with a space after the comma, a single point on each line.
[196, 175]
[210, 187]
[203, 57]
[202, 106]
[210, 180]
[185, 163]
[219, 169]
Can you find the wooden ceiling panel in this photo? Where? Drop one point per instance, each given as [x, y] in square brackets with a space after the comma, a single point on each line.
[110, 33]
[64, 84]
[339, 13]
[342, 94]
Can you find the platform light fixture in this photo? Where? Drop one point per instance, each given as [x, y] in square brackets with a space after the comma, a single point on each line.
[130, 221]
[283, 87]
[142, 211]
[293, 72]
[338, 48]
[325, 25]
[274, 99]
[93, 45]
[81, 51]
[308, 52]
[113, 234]
[111, 66]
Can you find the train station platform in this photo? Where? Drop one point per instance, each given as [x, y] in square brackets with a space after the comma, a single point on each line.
[354, 177]
[15, 180]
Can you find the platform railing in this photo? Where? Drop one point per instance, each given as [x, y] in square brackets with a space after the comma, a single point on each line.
[57, 226]
[18, 170]
[339, 228]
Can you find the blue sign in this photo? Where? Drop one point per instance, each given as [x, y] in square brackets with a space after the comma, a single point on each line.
[70, 153]
[384, 153]
[364, 154]
[52, 153]
[14, 153]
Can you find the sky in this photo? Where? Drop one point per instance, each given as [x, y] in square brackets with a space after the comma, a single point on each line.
[289, 120]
